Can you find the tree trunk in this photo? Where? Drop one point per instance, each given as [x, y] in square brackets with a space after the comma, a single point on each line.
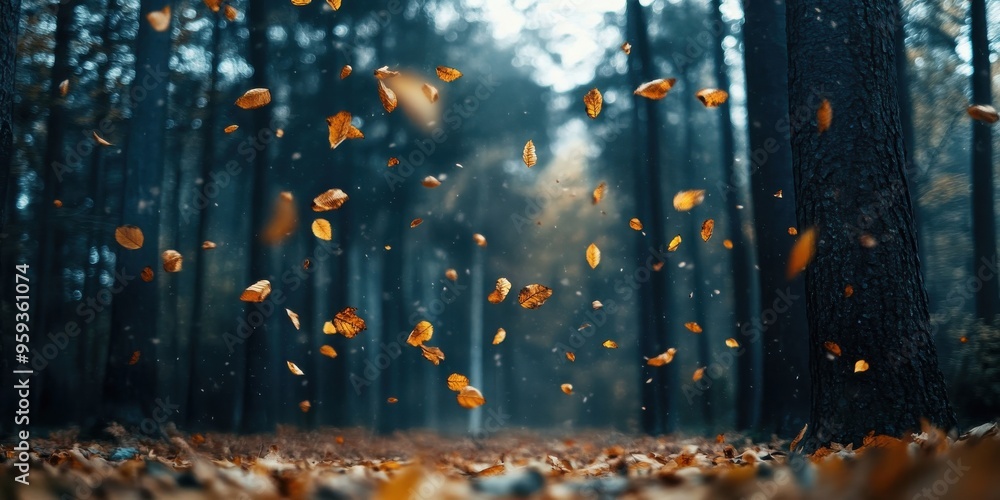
[850, 186]
[781, 324]
[984, 248]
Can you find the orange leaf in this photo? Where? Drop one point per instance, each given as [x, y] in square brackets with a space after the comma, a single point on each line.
[284, 219]
[567, 388]
[860, 366]
[593, 256]
[129, 237]
[457, 382]
[321, 229]
[593, 101]
[432, 354]
[802, 252]
[533, 296]
[348, 323]
[451, 274]
[331, 199]
[147, 274]
[256, 292]
[635, 224]
[627, 48]
[305, 406]
[387, 96]
[421, 333]
[416, 222]
[208, 245]
[231, 13]
[430, 182]
[292, 367]
[983, 112]
[339, 126]
[712, 98]
[500, 336]
[172, 261]
[384, 72]
[848, 291]
[500, 293]
[529, 156]
[393, 161]
[707, 228]
[728, 244]
[159, 19]
[470, 397]
[656, 89]
[448, 74]
[698, 374]
[686, 200]
[328, 351]
[135, 358]
[254, 99]
[832, 347]
[334, 4]
[663, 359]
[824, 116]
[599, 192]
[231, 128]
[479, 239]
[570, 356]
[610, 344]
[346, 71]
[733, 343]
[694, 327]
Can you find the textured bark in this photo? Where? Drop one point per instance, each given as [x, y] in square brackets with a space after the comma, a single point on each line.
[9, 10]
[781, 324]
[850, 184]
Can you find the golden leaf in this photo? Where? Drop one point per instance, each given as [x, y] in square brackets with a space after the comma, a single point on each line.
[159, 19]
[867, 241]
[635, 224]
[627, 48]
[983, 112]
[567, 388]
[172, 261]
[294, 317]
[707, 228]
[231, 13]
[495, 470]
[728, 244]
[299, 3]
[832, 348]
[470, 397]
[328, 328]
[570, 356]
[500, 293]
[393, 161]
[147, 274]
[254, 99]
[421, 333]
[698, 374]
[346, 71]
[348, 323]
[593, 256]
[321, 229]
[712, 98]
[457, 382]
[593, 102]
[354, 133]
[329, 200]
[292, 367]
[64, 88]
[479, 239]
[387, 96]
[801, 434]
[100, 140]
[448, 74]
[598, 193]
[328, 351]
[334, 4]
[339, 126]
[824, 115]
[848, 290]
[533, 296]
[256, 292]
[792, 231]
[432, 354]
[451, 274]
[384, 73]
[500, 336]
[529, 156]
[135, 358]
[430, 182]
[686, 200]
[610, 344]
[860, 366]
[674, 243]
[57, 203]
[305, 406]
[733, 343]
[416, 222]
[284, 219]
[214, 5]
[693, 326]
[656, 89]
[663, 359]
[802, 252]
[431, 92]
[231, 128]
[129, 237]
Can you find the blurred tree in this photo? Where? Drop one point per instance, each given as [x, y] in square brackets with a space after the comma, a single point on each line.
[9, 12]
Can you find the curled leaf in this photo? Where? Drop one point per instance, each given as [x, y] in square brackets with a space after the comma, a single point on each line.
[430, 182]
[707, 228]
[832, 348]
[663, 358]
[292, 315]
[421, 333]
[254, 99]
[698, 374]
[674, 243]
[305, 405]
[500, 336]
[470, 397]
[712, 98]
[384, 72]
[570, 356]
[331, 199]
[656, 89]
[610, 344]
[431, 92]
[500, 292]
[733, 343]
[334, 4]
[533, 296]
[292, 367]
[567, 388]
[432, 354]
[387, 96]
[686, 200]
[416, 222]
[346, 71]
[983, 112]
[479, 239]
[172, 261]
[598, 193]
[100, 140]
[627, 48]
[256, 292]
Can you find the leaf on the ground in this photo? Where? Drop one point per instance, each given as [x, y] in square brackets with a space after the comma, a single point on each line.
[256, 292]
[470, 397]
[801, 434]
[292, 367]
[500, 291]
[712, 98]
[593, 256]
[533, 296]
[254, 99]
[457, 382]
[129, 237]
[529, 156]
[824, 116]
[172, 261]
[802, 252]
[448, 74]
[348, 323]
[331, 199]
[421, 333]
[686, 200]
[593, 102]
[656, 89]
[707, 228]
[322, 229]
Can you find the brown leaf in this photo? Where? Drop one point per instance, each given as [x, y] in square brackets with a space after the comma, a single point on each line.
[779, 194]
[100, 140]
[479, 239]
[292, 367]
[231, 128]
[451, 274]
[698, 374]
[824, 115]
[860, 366]
[693, 327]
[292, 315]
[728, 244]
[339, 127]
[707, 228]
[793, 231]
[305, 406]
[231, 13]
[388, 97]
[129, 237]
[983, 112]
[384, 73]
[567, 388]
[528, 156]
[431, 92]
[593, 256]
[421, 333]
[416, 222]
[533, 296]
[593, 102]
[500, 293]
[663, 359]
[432, 354]
[284, 220]
[346, 71]
[848, 290]
[627, 48]
[570, 356]
[135, 358]
[832, 348]
[732, 343]
[321, 229]
[795, 442]
[802, 252]
[430, 182]
[147, 274]
[354, 133]
[393, 161]
[172, 261]
[610, 344]
[214, 5]
[674, 243]
[635, 224]
[656, 89]
[598, 193]
[687, 200]
[57, 203]
[712, 98]
[64, 88]
[334, 4]
[254, 99]
[500, 336]
[448, 74]
[470, 397]
[331, 199]
[457, 382]
[299, 3]
[328, 351]
[159, 19]
[256, 292]
[348, 323]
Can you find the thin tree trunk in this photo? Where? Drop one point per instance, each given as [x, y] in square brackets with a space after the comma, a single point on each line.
[984, 247]
[849, 176]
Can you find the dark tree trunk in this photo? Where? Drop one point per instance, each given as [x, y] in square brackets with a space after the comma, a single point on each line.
[850, 185]
[130, 390]
[781, 324]
[906, 103]
[983, 219]
[749, 368]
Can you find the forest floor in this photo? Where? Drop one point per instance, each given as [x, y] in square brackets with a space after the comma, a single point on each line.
[354, 464]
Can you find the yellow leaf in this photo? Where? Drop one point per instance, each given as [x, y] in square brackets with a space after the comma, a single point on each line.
[500, 336]
[448, 74]
[712, 98]
[348, 323]
[334, 4]
[593, 256]
[733, 343]
[824, 116]
[599, 192]
[593, 102]
[432, 354]
[129, 237]
[686, 200]
[470, 397]
[254, 99]
[321, 229]
[328, 351]
[802, 252]
[328, 328]
[159, 19]
[457, 382]
[860, 366]
[500, 292]
[635, 224]
[674, 243]
[421, 333]
[479, 239]
[529, 156]
[656, 89]
[692, 326]
[610, 344]
[431, 92]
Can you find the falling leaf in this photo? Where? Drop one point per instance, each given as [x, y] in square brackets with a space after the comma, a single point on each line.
[635, 224]
[334, 4]
[384, 73]
[305, 406]
[135, 358]
[798, 438]
[470, 398]
[779, 194]
[129, 237]
[346, 71]
[627, 48]
[328, 351]
[733, 343]
[256, 292]
[802, 252]
[479, 239]
[432, 354]
[570, 356]
[431, 92]
[328, 328]
[728, 244]
[848, 290]
[824, 115]
[159, 19]
[254, 98]
[451, 274]
[388, 97]
[663, 359]
[500, 293]
[593, 256]
[339, 127]
[430, 182]
[306, 263]
[391, 400]
[292, 367]
[593, 101]
[610, 344]
[321, 229]
[64, 88]
[388, 247]
[421, 333]
[707, 228]
[416, 222]
[674, 243]
[329, 200]
[698, 374]
[596, 305]
[230, 129]
[860, 366]
[598, 194]
[533, 296]
[172, 261]
[567, 388]
[457, 382]
[656, 89]
[299, 3]
[963, 339]
[283, 221]
[657, 266]
[984, 113]
[147, 274]
[231, 13]
[57, 203]
[867, 241]
[448, 74]
[100, 140]
[528, 156]
[793, 231]
[686, 200]
[393, 161]
[348, 323]
[499, 336]
[354, 133]
[832, 347]
[712, 98]
[693, 326]
[294, 317]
